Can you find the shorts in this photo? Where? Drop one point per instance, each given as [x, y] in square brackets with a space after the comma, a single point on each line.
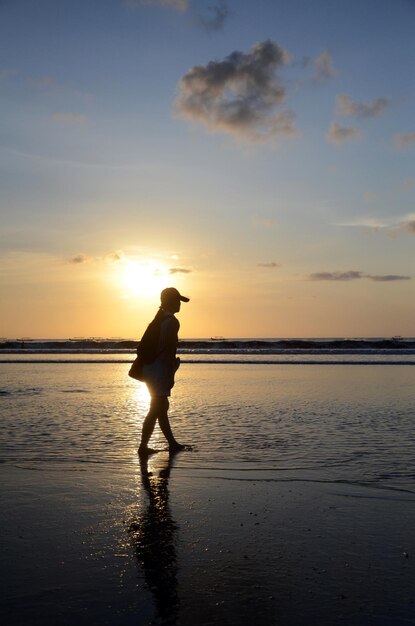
[159, 378]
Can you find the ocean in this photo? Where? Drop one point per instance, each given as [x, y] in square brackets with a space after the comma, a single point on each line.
[296, 502]
[330, 422]
[381, 351]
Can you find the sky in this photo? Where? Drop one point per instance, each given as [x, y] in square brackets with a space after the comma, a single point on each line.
[257, 155]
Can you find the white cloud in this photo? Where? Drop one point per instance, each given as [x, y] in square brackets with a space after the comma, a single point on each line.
[366, 222]
[239, 95]
[350, 108]
[340, 134]
[393, 227]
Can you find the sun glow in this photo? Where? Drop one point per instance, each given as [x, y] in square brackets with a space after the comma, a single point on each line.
[142, 278]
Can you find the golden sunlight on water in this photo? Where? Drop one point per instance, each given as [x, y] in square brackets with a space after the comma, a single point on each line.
[141, 394]
[337, 422]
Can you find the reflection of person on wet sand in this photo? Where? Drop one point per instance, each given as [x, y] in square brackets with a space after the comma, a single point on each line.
[153, 537]
[159, 375]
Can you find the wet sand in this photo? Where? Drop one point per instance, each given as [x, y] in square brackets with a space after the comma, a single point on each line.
[169, 544]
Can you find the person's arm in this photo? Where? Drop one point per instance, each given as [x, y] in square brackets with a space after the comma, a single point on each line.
[170, 341]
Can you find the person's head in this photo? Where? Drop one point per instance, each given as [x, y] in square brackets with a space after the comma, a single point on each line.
[171, 299]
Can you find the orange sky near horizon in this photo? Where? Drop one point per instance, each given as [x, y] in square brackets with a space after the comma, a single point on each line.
[117, 296]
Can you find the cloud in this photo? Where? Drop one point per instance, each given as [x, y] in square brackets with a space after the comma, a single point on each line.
[218, 13]
[179, 270]
[409, 226]
[342, 276]
[272, 264]
[387, 278]
[112, 257]
[115, 257]
[349, 108]
[338, 134]
[239, 95]
[79, 259]
[178, 5]
[69, 118]
[405, 140]
[366, 222]
[393, 227]
[356, 275]
[323, 67]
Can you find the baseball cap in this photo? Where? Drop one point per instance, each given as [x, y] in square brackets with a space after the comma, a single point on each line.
[171, 293]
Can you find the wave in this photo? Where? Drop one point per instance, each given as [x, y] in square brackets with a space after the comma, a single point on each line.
[218, 361]
[263, 346]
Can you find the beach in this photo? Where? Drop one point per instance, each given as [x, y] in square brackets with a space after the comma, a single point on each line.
[296, 505]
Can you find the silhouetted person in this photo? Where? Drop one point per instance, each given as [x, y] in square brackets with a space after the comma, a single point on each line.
[154, 538]
[159, 375]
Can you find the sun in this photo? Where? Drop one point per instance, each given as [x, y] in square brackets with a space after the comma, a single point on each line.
[142, 278]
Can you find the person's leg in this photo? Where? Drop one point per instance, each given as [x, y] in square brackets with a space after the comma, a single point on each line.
[149, 423]
[164, 424]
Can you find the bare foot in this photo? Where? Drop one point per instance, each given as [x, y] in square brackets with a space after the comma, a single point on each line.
[145, 451]
[178, 447]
